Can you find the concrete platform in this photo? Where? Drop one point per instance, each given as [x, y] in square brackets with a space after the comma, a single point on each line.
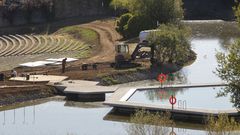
[119, 101]
[40, 78]
[85, 91]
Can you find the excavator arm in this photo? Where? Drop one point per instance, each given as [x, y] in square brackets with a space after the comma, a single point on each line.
[142, 54]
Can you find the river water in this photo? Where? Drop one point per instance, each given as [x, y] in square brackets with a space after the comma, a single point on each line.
[58, 117]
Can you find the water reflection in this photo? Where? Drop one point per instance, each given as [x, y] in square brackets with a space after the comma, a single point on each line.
[63, 118]
[208, 38]
[222, 30]
[202, 70]
[180, 128]
[54, 118]
[195, 98]
[25, 116]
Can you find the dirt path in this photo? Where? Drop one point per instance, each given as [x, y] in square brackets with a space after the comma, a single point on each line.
[108, 37]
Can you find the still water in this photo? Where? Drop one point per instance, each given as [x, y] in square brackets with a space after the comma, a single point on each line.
[55, 118]
[64, 118]
[208, 38]
[187, 98]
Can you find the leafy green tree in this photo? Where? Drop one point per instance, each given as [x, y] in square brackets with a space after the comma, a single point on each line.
[148, 13]
[229, 67]
[172, 44]
[122, 22]
[119, 3]
[163, 11]
[137, 24]
[236, 10]
[229, 70]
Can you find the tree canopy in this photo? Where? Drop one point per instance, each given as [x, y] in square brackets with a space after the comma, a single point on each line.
[147, 14]
[229, 70]
[229, 67]
[163, 11]
[172, 44]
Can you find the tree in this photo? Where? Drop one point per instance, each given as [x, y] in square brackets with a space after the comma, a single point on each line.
[119, 3]
[228, 68]
[122, 22]
[151, 12]
[172, 44]
[163, 11]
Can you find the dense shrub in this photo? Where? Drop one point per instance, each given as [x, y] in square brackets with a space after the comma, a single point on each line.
[122, 22]
[137, 24]
[223, 125]
[171, 44]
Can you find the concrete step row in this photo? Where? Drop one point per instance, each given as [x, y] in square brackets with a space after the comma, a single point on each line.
[17, 45]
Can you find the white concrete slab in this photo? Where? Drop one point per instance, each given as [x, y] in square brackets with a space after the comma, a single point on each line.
[36, 63]
[40, 78]
[85, 87]
[60, 59]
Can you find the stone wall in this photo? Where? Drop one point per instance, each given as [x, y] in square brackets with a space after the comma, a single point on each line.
[63, 9]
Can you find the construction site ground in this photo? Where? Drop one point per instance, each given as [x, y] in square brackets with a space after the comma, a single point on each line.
[103, 54]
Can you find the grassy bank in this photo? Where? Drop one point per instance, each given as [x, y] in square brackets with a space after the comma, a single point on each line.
[79, 33]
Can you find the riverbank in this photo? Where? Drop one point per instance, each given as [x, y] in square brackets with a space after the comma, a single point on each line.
[18, 94]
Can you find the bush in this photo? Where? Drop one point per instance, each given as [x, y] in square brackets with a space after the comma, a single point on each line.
[146, 123]
[223, 125]
[171, 44]
[136, 24]
[122, 22]
[109, 81]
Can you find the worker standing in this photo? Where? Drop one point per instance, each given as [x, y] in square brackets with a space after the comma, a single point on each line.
[14, 73]
[64, 64]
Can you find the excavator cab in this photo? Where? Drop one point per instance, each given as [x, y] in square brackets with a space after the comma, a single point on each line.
[122, 53]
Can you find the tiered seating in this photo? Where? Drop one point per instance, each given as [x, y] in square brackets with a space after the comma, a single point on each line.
[31, 45]
[16, 45]
[19, 46]
[12, 44]
[23, 43]
[3, 46]
[38, 45]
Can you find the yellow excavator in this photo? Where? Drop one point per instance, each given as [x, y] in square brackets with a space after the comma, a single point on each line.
[123, 55]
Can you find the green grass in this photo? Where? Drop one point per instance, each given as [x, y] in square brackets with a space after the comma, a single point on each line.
[109, 81]
[84, 34]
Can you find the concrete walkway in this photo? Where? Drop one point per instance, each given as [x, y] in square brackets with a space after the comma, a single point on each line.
[120, 101]
[40, 78]
[84, 87]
